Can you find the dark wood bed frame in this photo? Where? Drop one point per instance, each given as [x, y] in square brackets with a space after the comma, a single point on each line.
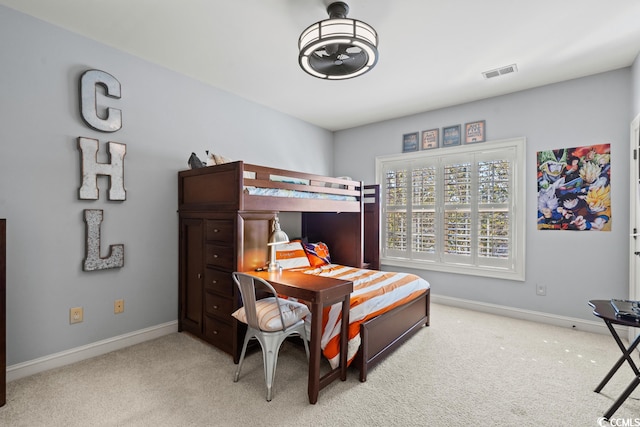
[349, 228]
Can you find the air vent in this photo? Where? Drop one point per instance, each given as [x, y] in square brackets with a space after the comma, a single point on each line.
[489, 74]
[500, 71]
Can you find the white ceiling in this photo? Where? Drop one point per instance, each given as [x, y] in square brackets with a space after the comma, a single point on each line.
[432, 53]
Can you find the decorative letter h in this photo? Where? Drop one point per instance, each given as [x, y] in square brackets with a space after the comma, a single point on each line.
[91, 169]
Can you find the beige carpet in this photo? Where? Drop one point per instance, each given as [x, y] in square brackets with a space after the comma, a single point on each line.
[466, 369]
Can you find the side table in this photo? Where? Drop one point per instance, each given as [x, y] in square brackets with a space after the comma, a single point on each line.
[604, 310]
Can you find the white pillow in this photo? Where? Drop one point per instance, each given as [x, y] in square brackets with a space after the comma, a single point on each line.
[268, 316]
[291, 255]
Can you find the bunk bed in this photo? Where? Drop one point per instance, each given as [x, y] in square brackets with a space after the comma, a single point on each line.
[228, 208]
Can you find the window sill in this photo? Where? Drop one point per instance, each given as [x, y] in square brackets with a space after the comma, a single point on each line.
[497, 273]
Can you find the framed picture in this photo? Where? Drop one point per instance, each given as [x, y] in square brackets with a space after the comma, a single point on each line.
[410, 142]
[451, 136]
[475, 132]
[430, 139]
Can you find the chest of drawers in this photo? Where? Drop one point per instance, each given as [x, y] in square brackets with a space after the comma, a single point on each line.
[212, 246]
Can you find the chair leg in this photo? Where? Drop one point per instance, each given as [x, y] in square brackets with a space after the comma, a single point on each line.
[236, 376]
[270, 344]
[270, 351]
[270, 361]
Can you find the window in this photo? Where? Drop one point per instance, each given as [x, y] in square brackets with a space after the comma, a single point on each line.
[457, 209]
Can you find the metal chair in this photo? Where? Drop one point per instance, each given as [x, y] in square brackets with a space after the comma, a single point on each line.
[269, 320]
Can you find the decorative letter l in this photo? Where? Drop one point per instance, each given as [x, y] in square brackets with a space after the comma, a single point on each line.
[92, 261]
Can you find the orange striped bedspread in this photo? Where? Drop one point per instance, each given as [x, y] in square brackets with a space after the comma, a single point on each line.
[374, 292]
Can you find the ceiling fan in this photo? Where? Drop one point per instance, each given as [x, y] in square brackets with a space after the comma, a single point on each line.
[338, 48]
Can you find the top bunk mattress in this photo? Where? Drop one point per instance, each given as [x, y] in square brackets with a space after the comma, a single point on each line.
[296, 194]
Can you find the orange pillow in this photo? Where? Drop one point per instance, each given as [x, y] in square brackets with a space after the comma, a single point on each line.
[318, 254]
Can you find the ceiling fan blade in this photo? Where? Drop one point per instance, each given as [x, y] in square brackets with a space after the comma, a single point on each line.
[335, 66]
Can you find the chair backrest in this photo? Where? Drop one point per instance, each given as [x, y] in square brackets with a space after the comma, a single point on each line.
[250, 286]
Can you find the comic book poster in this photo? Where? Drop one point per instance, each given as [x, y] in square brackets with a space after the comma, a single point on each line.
[574, 188]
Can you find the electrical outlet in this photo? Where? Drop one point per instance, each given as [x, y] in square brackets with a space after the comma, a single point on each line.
[118, 306]
[75, 315]
[541, 290]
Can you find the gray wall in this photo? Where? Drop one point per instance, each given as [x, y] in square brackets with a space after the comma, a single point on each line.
[575, 266]
[166, 116]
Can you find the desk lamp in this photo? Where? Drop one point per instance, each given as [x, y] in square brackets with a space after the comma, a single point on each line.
[277, 237]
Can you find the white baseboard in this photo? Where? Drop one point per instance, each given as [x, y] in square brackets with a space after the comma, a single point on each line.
[25, 369]
[596, 325]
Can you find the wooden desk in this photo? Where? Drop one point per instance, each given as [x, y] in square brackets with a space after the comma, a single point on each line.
[604, 310]
[319, 292]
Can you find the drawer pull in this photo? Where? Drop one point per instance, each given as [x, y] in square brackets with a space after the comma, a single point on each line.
[214, 281]
[215, 230]
[215, 255]
[215, 332]
[215, 307]
[199, 275]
